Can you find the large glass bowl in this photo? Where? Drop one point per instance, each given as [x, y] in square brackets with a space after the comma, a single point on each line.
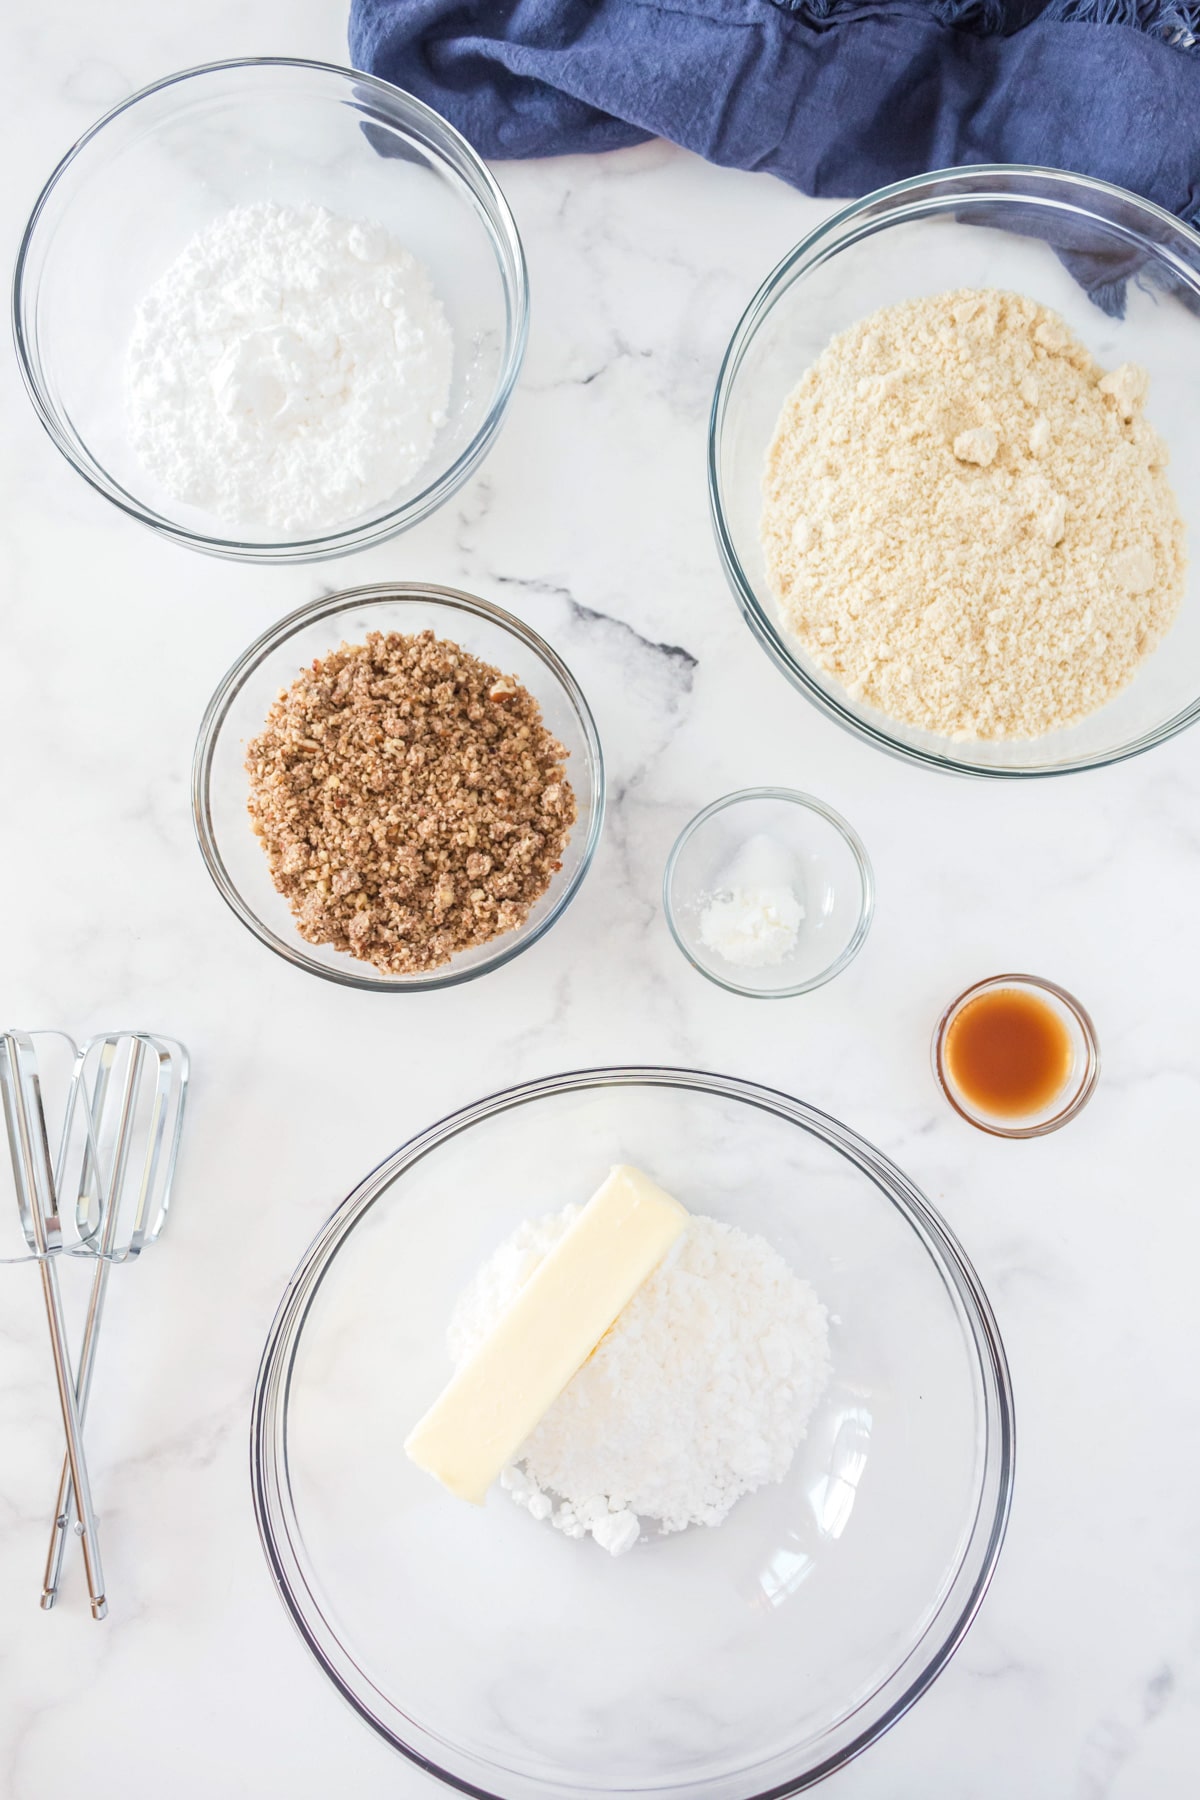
[238, 710]
[1001, 226]
[128, 196]
[750, 1660]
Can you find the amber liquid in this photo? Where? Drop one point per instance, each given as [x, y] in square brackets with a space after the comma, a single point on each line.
[1008, 1053]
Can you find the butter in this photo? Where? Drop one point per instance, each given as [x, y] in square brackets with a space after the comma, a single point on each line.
[481, 1419]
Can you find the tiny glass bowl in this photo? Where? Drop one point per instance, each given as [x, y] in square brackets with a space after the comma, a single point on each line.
[160, 167]
[238, 710]
[1082, 1075]
[830, 875]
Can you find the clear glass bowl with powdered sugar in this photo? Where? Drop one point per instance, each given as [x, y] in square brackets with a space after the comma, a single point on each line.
[171, 161]
[1059, 239]
[732, 1662]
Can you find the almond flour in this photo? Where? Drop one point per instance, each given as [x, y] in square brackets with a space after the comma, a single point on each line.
[967, 521]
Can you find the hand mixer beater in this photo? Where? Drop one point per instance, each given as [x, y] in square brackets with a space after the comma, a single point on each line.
[122, 1116]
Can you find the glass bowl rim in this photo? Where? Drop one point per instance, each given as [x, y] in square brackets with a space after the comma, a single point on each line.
[496, 218]
[1080, 1095]
[274, 638]
[274, 1505]
[923, 203]
[858, 850]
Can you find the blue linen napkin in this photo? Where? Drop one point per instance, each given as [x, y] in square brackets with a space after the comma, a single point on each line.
[836, 96]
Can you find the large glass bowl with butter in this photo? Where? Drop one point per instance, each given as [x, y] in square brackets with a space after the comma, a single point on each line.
[161, 166]
[750, 1659]
[1058, 238]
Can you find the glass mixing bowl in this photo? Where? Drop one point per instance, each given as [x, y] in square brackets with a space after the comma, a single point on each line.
[749, 1660]
[237, 711]
[127, 197]
[984, 226]
[829, 871]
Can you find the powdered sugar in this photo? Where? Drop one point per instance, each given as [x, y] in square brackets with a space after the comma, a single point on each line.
[290, 369]
[698, 1394]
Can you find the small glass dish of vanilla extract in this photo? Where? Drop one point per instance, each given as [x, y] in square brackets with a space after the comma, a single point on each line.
[1016, 1056]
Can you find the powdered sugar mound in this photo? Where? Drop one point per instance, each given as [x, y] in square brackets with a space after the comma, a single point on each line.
[290, 369]
[698, 1394]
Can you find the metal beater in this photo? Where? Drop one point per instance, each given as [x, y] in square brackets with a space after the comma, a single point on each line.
[122, 1115]
[129, 1088]
[41, 1227]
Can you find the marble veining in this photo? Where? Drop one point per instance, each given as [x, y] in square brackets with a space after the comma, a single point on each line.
[1080, 1679]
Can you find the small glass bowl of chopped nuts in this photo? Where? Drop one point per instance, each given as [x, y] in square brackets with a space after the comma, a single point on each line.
[398, 787]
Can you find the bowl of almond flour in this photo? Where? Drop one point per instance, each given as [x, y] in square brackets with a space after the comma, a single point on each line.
[273, 309]
[753, 1528]
[953, 446]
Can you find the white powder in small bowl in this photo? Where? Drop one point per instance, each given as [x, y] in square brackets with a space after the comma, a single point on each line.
[753, 920]
[699, 1393]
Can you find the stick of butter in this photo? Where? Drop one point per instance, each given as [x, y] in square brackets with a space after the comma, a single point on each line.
[479, 1422]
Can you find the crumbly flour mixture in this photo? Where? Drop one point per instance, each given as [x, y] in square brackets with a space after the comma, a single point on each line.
[290, 369]
[698, 1394]
[968, 522]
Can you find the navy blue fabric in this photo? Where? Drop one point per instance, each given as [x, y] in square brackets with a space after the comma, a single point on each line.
[835, 96]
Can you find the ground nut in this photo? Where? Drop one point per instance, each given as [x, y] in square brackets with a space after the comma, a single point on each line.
[417, 765]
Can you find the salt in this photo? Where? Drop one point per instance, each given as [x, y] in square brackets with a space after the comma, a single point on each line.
[753, 921]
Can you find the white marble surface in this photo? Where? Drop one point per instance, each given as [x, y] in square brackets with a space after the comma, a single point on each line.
[1081, 1678]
